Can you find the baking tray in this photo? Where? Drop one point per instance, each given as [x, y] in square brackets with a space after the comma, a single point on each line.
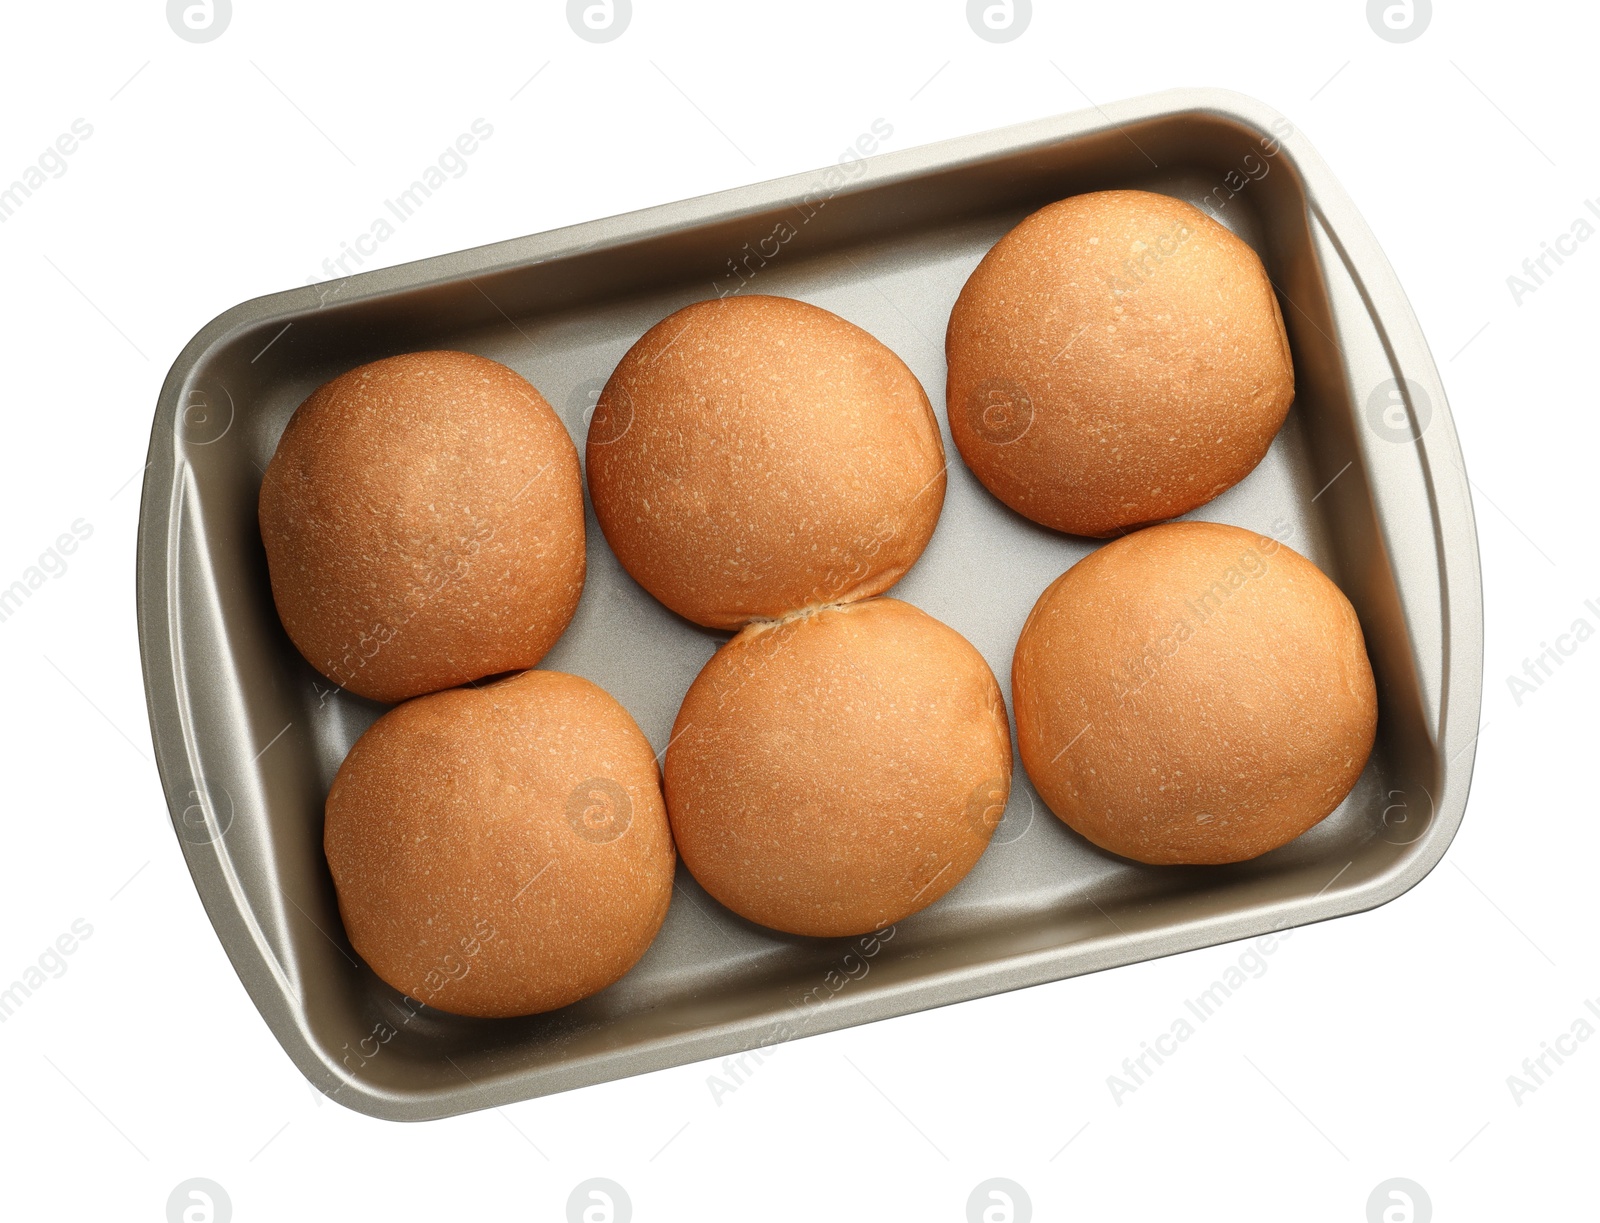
[1366, 478]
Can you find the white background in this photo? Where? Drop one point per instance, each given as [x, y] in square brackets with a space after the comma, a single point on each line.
[1374, 1046]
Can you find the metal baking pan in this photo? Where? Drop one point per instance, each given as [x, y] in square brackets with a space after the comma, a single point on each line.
[1366, 478]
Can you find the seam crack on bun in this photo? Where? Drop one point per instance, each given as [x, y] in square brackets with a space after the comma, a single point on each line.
[752, 455]
[1118, 358]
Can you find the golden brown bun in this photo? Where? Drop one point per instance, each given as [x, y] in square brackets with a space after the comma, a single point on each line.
[423, 520]
[501, 850]
[753, 456]
[833, 773]
[1118, 358]
[1193, 693]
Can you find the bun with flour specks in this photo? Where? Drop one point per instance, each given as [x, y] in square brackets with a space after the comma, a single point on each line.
[501, 850]
[834, 772]
[423, 523]
[1193, 693]
[1116, 359]
[753, 456]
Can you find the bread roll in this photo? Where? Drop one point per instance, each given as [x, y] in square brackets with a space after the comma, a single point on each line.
[831, 774]
[501, 850]
[1193, 693]
[1118, 358]
[423, 521]
[753, 456]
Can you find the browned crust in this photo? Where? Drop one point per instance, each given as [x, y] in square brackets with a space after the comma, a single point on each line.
[833, 773]
[753, 456]
[501, 850]
[1193, 693]
[423, 523]
[1116, 359]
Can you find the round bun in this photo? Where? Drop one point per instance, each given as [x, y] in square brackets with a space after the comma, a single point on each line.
[753, 456]
[501, 850]
[1117, 359]
[831, 774]
[423, 520]
[1193, 693]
